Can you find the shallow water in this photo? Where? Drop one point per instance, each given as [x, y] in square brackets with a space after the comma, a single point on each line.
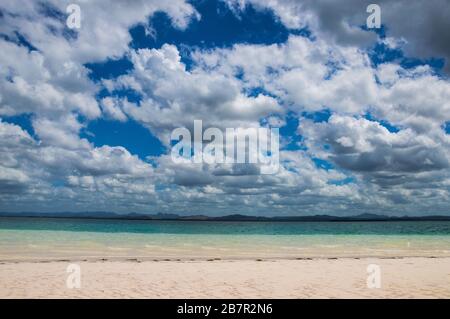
[42, 238]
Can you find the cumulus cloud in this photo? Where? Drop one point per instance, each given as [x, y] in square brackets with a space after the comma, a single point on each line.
[421, 25]
[398, 168]
[42, 73]
[384, 144]
[29, 170]
[173, 96]
[312, 75]
[104, 26]
[51, 76]
[362, 145]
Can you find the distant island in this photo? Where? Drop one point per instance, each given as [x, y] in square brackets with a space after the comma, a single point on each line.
[233, 217]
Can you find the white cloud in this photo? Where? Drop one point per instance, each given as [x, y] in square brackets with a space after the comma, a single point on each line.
[314, 75]
[363, 145]
[112, 108]
[375, 169]
[421, 26]
[174, 97]
[85, 174]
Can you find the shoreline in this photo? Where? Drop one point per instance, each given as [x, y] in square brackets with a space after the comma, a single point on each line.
[140, 259]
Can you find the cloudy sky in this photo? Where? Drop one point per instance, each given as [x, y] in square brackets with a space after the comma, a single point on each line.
[86, 114]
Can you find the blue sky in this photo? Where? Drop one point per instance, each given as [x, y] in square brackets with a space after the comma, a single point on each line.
[363, 115]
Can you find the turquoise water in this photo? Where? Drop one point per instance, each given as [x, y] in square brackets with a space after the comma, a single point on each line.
[228, 228]
[41, 238]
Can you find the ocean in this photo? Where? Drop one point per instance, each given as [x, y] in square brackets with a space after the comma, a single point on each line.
[59, 238]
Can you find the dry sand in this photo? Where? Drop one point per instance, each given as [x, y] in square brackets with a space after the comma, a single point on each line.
[414, 277]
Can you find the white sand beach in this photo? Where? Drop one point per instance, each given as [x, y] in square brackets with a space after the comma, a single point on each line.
[410, 277]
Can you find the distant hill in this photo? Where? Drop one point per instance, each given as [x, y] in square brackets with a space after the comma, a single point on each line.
[234, 217]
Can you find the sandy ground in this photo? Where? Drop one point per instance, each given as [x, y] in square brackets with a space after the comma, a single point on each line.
[317, 278]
